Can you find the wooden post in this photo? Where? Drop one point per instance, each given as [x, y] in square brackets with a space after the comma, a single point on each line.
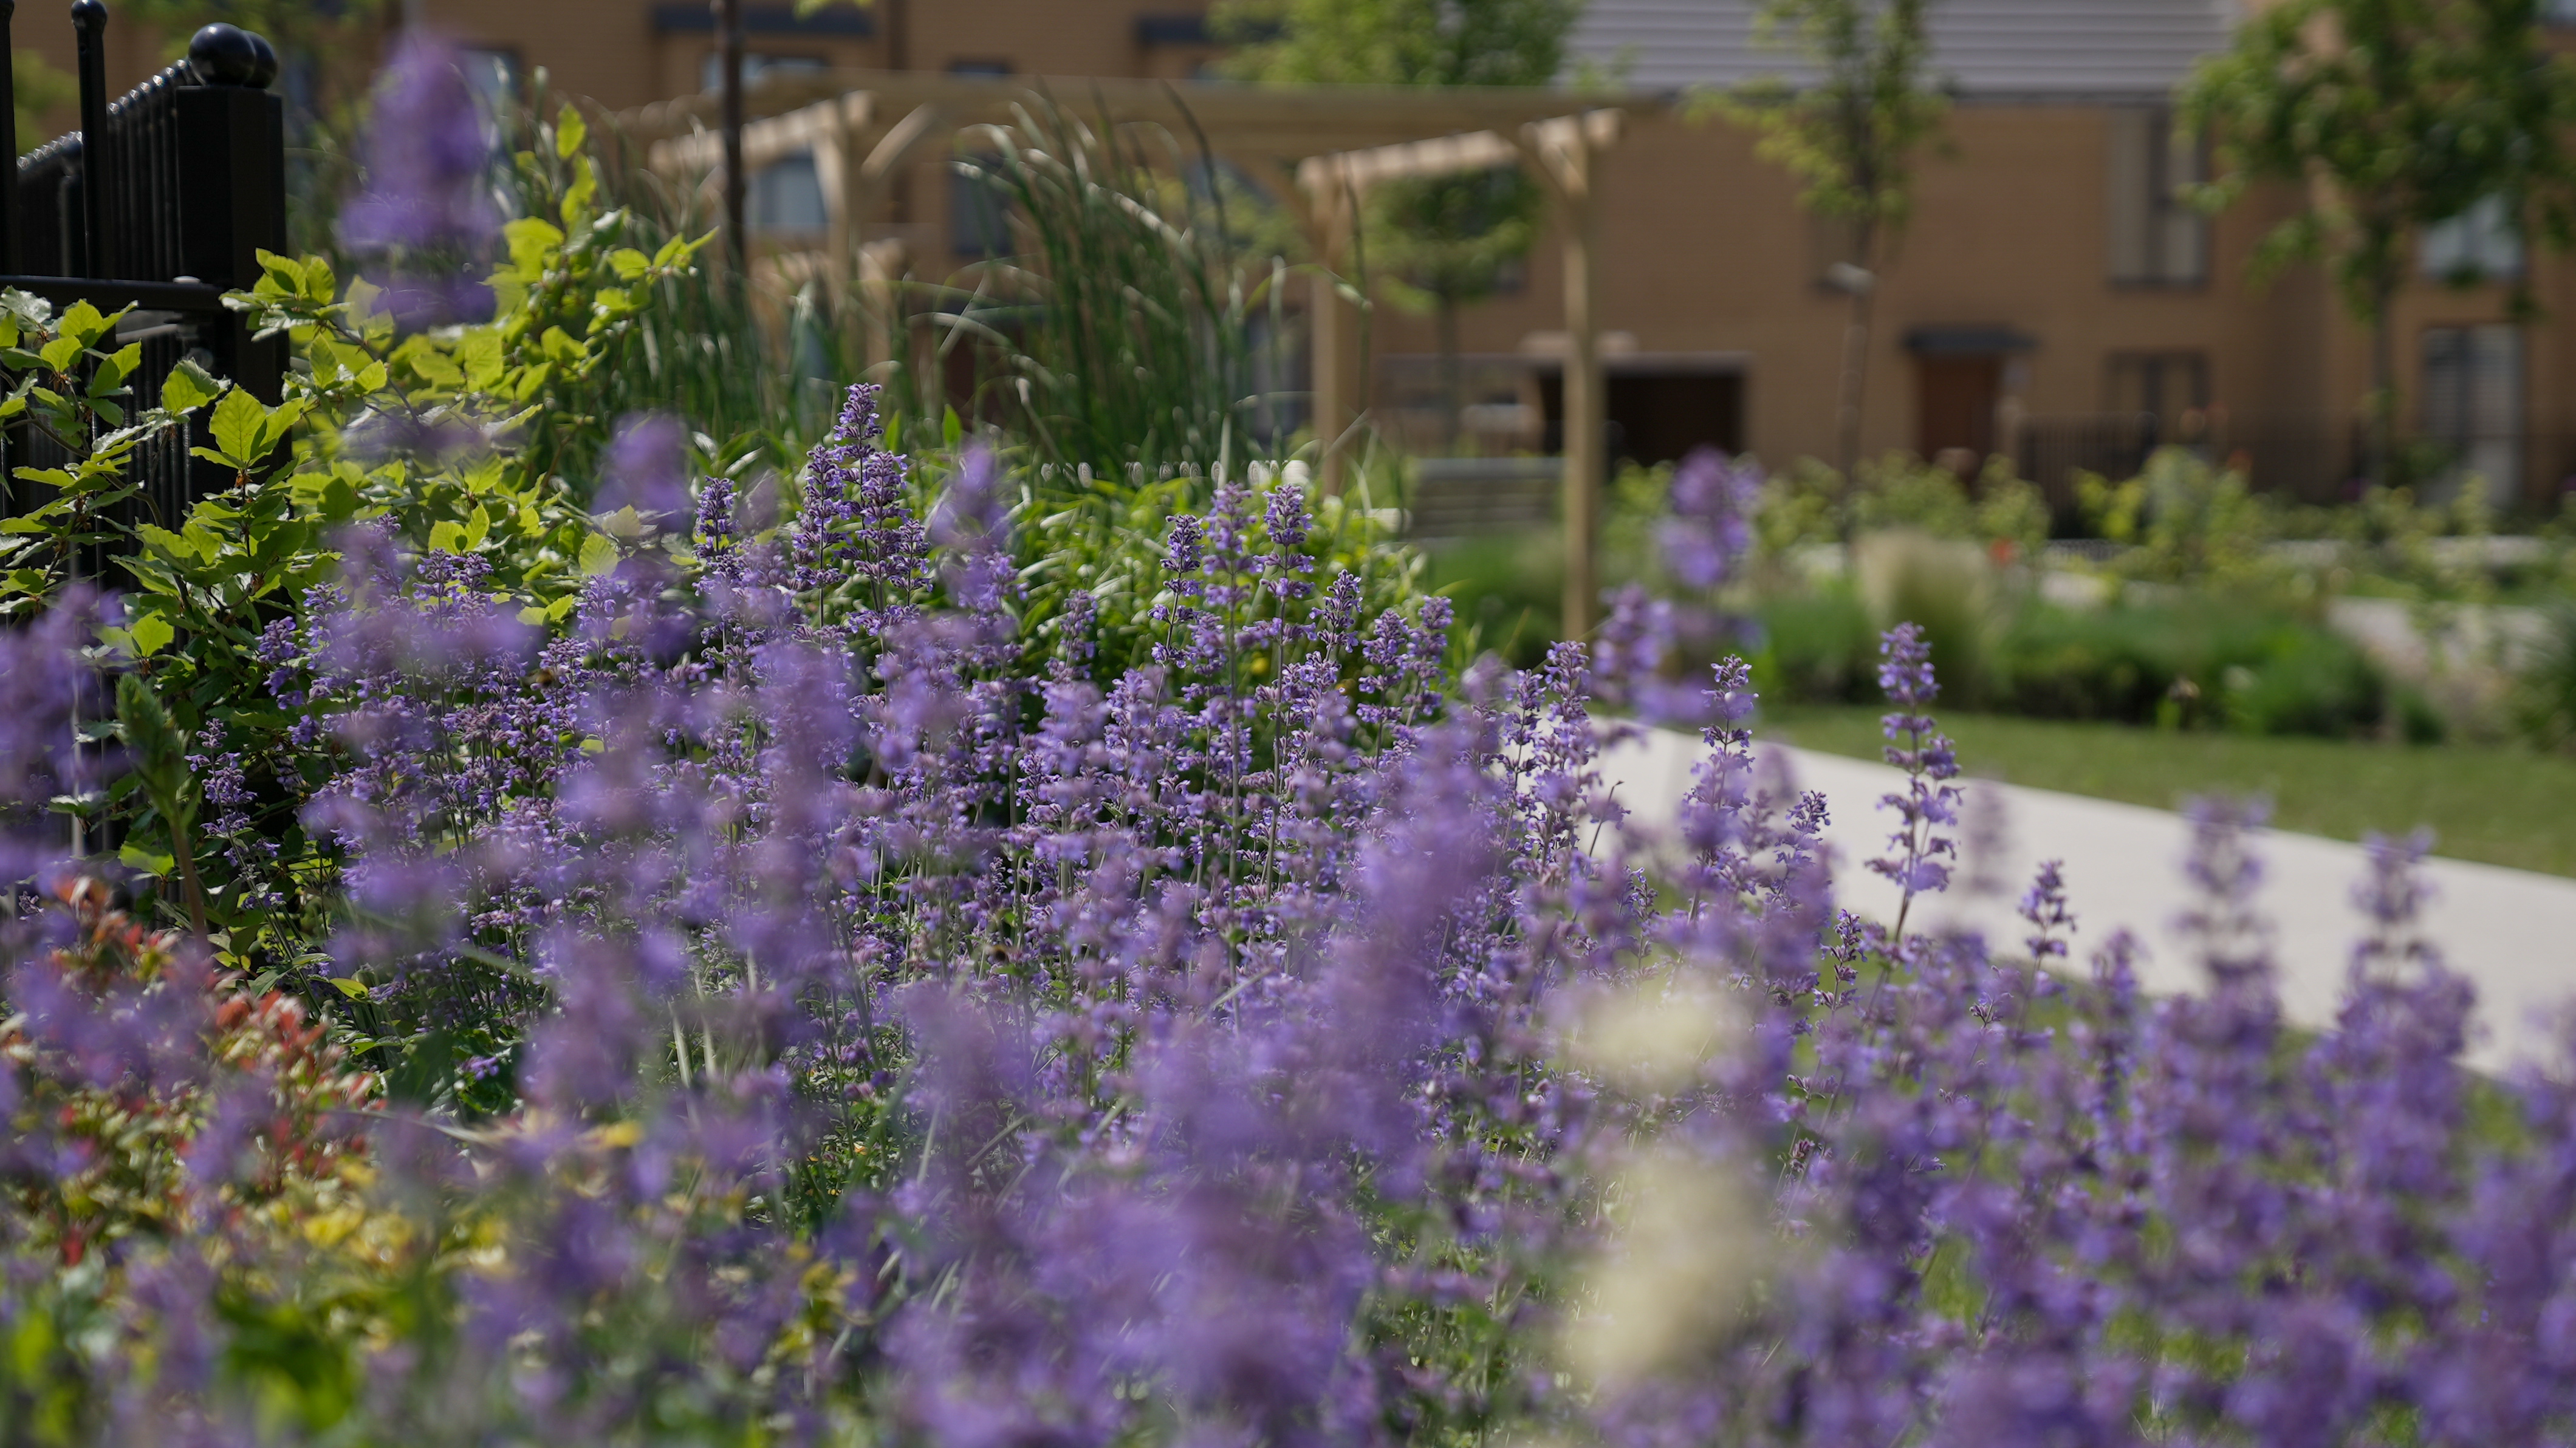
[1332, 321]
[1587, 413]
[1566, 150]
[880, 303]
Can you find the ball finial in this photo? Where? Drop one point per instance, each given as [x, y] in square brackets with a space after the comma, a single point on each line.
[222, 55]
[266, 70]
[89, 15]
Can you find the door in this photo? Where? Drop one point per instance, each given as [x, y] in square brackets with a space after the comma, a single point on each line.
[1956, 404]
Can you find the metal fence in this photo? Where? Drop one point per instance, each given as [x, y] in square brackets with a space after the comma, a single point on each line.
[160, 204]
[2306, 459]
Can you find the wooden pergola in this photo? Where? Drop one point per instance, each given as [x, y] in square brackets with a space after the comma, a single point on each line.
[864, 128]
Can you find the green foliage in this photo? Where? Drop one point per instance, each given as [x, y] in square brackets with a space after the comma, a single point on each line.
[2189, 664]
[1851, 134]
[2546, 690]
[1399, 42]
[2412, 111]
[2190, 522]
[479, 438]
[2409, 112]
[37, 89]
[1121, 336]
[1811, 504]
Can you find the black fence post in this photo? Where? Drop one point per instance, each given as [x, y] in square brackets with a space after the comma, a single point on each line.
[232, 186]
[89, 21]
[9, 258]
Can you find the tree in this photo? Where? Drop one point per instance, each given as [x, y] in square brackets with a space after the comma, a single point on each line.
[2397, 114]
[1446, 241]
[1849, 134]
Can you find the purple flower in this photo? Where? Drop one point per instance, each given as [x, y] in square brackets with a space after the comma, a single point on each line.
[646, 467]
[1711, 525]
[427, 203]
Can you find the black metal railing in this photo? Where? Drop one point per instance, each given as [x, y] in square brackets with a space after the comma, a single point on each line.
[160, 203]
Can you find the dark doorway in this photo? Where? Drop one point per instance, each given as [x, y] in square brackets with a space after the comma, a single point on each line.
[1956, 404]
[1658, 416]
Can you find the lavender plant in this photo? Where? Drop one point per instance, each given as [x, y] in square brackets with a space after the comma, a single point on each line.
[817, 1001]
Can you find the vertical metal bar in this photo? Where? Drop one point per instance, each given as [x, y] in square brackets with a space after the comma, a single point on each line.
[11, 255]
[729, 29]
[89, 19]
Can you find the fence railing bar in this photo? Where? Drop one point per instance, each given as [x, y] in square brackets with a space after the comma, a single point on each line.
[89, 22]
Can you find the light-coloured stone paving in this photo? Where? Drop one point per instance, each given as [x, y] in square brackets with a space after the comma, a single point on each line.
[2512, 932]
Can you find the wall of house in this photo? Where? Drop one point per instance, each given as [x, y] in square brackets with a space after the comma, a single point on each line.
[1704, 248]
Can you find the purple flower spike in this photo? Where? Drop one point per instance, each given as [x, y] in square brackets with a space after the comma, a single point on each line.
[646, 467]
[1920, 847]
[1712, 521]
[428, 205]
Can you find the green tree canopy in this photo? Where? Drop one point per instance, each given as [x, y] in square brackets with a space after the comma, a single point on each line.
[1399, 42]
[1849, 133]
[2397, 114]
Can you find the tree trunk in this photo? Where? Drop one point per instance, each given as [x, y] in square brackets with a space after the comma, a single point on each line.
[1453, 386]
[1855, 379]
[2380, 423]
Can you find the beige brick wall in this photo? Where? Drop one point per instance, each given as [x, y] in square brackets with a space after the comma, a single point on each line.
[1704, 249]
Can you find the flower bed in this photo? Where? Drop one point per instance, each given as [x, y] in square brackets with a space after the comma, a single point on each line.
[778, 999]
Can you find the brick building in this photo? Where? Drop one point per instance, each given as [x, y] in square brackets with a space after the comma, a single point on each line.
[2051, 298]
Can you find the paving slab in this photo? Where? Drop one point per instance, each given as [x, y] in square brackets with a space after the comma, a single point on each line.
[2511, 932]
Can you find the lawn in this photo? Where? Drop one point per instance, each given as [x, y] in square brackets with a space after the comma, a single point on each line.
[2502, 805]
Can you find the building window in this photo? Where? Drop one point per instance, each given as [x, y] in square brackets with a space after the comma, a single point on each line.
[787, 195]
[2483, 243]
[2157, 237]
[2167, 386]
[979, 208]
[2472, 402]
[754, 66]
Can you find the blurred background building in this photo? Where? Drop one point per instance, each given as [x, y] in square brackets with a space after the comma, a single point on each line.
[2053, 298]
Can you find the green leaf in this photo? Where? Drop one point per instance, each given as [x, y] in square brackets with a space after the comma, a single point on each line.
[83, 324]
[135, 857]
[189, 387]
[480, 353]
[151, 634]
[570, 131]
[62, 352]
[274, 427]
[165, 540]
[598, 555]
[237, 426]
[352, 988]
[532, 242]
[111, 373]
[447, 537]
[433, 366]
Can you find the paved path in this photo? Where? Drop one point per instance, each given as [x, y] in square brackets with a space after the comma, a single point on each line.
[2512, 932]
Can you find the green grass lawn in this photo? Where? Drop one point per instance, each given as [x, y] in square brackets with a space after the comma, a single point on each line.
[2501, 805]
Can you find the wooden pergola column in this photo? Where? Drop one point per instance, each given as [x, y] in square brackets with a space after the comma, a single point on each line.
[1565, 149]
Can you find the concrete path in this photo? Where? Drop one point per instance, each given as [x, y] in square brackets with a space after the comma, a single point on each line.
[2512, 932]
